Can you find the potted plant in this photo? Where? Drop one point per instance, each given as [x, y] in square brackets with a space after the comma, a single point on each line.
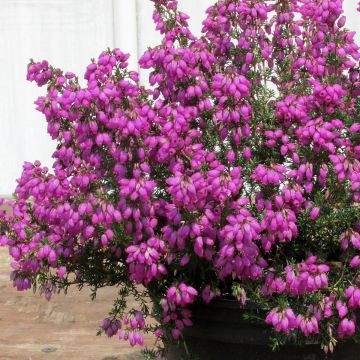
[227, 191]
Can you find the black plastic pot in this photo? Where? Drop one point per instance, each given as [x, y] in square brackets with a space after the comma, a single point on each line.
[221, 333]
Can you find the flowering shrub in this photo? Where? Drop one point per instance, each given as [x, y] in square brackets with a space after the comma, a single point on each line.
[237, 173]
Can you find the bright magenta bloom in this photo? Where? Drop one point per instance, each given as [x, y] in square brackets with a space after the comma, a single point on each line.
[237, 172]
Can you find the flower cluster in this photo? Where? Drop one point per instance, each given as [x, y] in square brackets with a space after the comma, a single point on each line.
[174, 308]
[309, 277]
[309, 324]
[239, 164]
[144, 261]
[306, 277]
[281, 320]
[133, 325]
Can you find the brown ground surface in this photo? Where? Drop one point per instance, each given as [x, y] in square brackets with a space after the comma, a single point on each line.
[64, 328]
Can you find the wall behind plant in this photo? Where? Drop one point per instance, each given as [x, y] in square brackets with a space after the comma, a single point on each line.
[69, 33]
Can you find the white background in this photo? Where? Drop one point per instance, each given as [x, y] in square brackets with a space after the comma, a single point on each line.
[68, 33]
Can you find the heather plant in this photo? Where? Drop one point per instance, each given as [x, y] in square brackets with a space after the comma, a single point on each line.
[235, 173]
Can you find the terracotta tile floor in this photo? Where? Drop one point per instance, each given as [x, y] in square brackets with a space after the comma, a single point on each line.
[64, 328]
